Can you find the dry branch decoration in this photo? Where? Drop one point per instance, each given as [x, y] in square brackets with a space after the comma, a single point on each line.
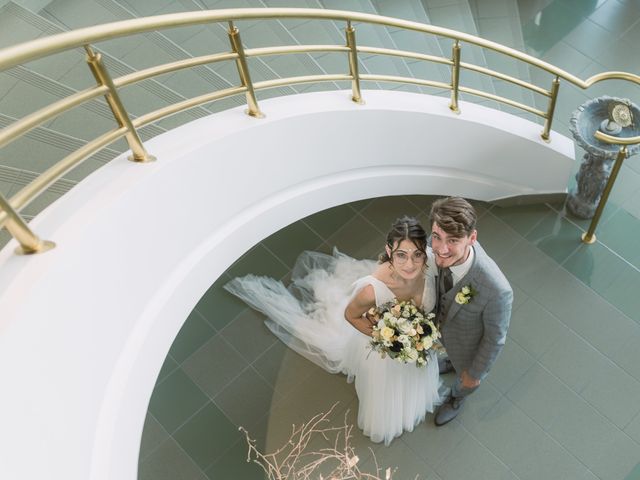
[292, 461]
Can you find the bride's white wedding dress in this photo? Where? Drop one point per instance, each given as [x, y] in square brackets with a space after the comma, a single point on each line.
[309, 318]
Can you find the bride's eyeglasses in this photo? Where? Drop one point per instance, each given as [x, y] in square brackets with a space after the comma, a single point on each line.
[401, 256]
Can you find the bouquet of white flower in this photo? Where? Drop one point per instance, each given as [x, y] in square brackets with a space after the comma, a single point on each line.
[403, 332]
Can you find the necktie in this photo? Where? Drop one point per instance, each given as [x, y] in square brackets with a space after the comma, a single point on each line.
[447, 279]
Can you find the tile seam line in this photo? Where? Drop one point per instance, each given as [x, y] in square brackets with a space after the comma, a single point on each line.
[140, 462]
[595, 410]
[585, 340]
[566, 449]
[233, 379]
[544, 431]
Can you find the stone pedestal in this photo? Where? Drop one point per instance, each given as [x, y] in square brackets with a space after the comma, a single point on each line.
[592, 177]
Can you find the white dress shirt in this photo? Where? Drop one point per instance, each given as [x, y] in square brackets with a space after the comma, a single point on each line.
[459, 271]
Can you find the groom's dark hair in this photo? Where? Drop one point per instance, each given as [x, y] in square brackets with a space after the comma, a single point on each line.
[455, 215]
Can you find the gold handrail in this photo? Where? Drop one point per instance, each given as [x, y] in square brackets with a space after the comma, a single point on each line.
[164, 112]
[506, 101]
[603, 137]
[354, 71]
[408, 80]
[85, 37]
[150, 72]
[455, 76]
[405, 54]
[41, 47]
[38, 117]
[34, 49]
[555, 88]
[243, 71]
[101, 74]
[589, 236]
[29, 192]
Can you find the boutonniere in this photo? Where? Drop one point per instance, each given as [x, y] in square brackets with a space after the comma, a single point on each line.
[465, 295]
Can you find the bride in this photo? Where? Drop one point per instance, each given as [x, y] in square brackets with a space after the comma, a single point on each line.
[322, 315]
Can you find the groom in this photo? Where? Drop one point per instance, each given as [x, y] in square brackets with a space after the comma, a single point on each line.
[474, 301]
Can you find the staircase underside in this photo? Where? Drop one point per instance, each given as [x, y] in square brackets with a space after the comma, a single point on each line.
[143, 242]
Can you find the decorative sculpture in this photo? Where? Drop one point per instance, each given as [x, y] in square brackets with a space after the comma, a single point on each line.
[613, 116]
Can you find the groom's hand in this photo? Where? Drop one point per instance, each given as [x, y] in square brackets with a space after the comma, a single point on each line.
[468, 381]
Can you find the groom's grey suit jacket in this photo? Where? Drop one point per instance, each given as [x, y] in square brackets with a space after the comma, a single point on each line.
[474, 334]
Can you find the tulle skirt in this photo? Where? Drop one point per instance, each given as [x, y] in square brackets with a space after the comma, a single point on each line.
[308, 316]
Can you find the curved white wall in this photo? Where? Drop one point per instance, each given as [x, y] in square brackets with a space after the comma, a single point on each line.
[84, 328]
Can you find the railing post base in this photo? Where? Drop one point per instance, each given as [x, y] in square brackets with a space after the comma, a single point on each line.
[588, 239]
[43, 246]
[18, 228]
[144, 159]
[254, 113]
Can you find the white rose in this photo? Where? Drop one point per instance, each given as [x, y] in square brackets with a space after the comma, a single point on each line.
[466, 290]
[404, 340]
[427, 342]
[411, 355]
[404, 326]
[461, 299]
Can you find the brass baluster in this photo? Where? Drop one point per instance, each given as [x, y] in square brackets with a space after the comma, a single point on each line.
[590, 237]
[455, 76]
[356, 96]
[18, 228]
[555, 87]
[243, 71]
[99, 71]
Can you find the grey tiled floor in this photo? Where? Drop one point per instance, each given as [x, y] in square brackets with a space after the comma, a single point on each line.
[561, 401]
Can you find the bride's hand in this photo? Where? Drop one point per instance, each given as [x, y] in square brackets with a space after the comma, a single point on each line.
[358, 308]
[368, 330]
[370, 318]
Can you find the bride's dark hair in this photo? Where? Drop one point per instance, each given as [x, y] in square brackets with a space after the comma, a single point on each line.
[404, 228]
